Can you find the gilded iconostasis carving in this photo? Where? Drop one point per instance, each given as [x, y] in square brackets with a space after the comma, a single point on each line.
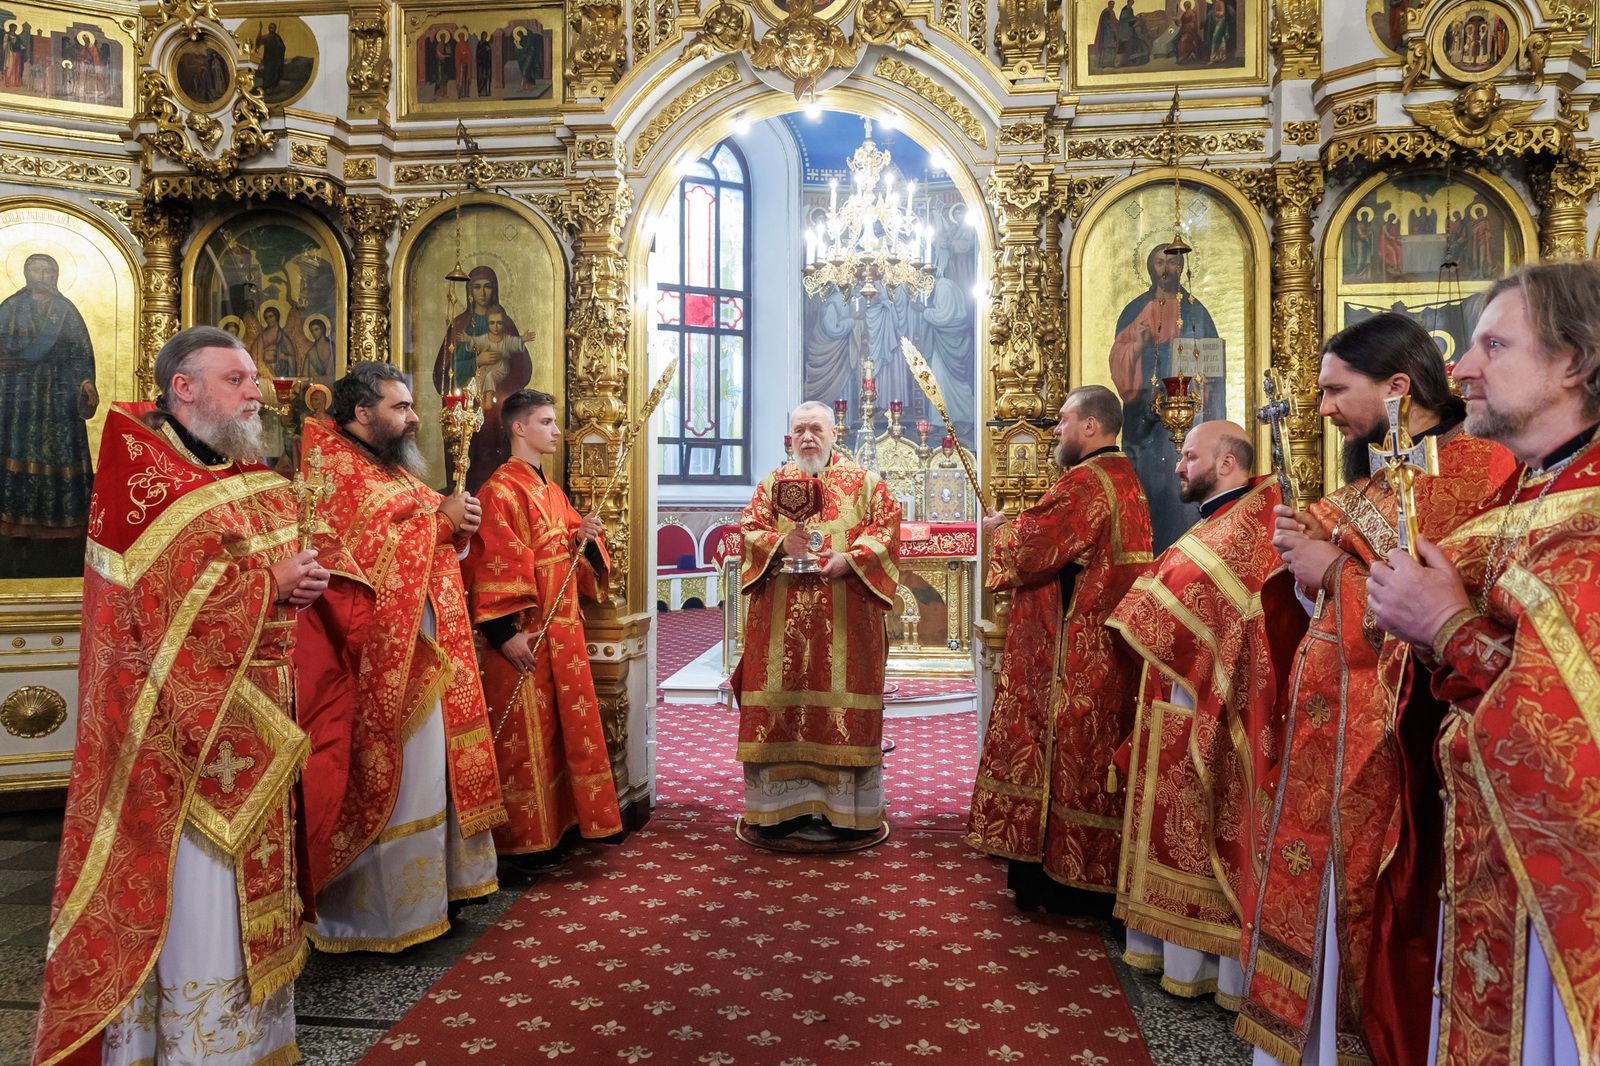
[310, 174]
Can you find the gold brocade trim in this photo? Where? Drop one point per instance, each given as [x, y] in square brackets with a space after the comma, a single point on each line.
[979, 844]
[850, 701]
[804, 751]
[406, 829]
[888, 566]
[1226, 581]
[469, 738]
[1222, 941]
[287, 1055]
[1118, 556]
[1275, 968]
[1273, 1044]
[1231, 1004]
[1149, 962]
[1527, 892]
[94, 861]
[836, 818]
[477, 891]
[1186, 618]
[1519, 976]
[125, 568]
[283, 974]
[389, 945]
[1560, 639]
[1007, 788]
[290, 748]
[1365, 518]
[266, 541]
[1205, 986]
[1558, 508]
[1077, 817]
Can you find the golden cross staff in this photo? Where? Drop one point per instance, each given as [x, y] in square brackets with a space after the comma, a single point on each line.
[310, 492]
[923, 373]
[629, 432]
[1273, 414]
[1401, 461]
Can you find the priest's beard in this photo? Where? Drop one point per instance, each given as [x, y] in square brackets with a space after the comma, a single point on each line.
[1357, 462]
[1068, 453]
[1490, 424]
[399, 449]
[812, 465]
[1198, 488]
[236, 436]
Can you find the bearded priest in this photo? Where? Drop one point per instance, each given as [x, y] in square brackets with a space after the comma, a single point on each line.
[1047, 795]
[810, 681]
[177, 862]
[1507, 611]
[1355, 701]
[549, 741]
[1216, 624]
[402, 787]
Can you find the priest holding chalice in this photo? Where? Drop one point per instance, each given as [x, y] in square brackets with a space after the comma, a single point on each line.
[821, 546]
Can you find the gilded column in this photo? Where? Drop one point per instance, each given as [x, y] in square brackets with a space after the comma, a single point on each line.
[1296, 314]
[1563, 193]
[370, 221]
[598, 317]
[1052, 331]
[161, 229]
[1016, 194]
[371, 71]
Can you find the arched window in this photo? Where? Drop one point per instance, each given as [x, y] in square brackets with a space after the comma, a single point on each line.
[702, 316]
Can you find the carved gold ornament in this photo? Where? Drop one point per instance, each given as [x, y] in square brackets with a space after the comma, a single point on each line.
[33, 711]
[803, 47]
[726, 28]
[1474, 118]
[885, 22]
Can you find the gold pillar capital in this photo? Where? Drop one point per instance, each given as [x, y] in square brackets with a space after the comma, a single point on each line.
[1563, 193]
[161, 229]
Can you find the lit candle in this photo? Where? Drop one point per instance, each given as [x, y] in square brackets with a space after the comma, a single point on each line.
[811, 246]
[833, 194]
[922, 427]
[454, 399]
[869, 384]
[927, 244]
[283, 388]
[840, 407]
[949, 444]
[897, 406]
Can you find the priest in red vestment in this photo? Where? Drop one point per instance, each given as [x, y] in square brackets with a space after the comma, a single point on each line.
[555, 772]
[1047, 795]
[810, 681]
[177, 865]
[1507, 607]
[402, 785]
[1352, 699]
[1215, 623]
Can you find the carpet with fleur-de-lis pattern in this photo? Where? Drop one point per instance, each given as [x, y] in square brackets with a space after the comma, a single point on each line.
[684, 946]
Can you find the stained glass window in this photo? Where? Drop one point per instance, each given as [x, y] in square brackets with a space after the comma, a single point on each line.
[702, 315]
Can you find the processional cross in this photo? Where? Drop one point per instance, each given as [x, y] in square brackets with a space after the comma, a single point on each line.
[1274, 414]
[1401, 461]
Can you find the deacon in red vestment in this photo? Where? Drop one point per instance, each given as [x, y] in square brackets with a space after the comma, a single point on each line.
[1508, 608]
[402, 786]
[177, 862]
[1352, 701]
[810, 681]
[1215, 623]
[1047, 790]
[554, 769]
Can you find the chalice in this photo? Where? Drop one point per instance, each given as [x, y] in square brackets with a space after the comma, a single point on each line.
[799, 499]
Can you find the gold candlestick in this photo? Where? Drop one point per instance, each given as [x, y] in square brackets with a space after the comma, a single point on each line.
[311, 490]
[460, 419]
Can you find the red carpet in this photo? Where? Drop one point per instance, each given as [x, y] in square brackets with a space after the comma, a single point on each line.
[684, 946]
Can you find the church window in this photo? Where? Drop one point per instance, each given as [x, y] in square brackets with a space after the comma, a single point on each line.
[701, 314]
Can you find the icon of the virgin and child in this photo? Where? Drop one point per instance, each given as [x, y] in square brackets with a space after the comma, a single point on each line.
[484, 344]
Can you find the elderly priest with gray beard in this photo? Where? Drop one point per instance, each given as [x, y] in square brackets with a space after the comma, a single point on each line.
[821, 547]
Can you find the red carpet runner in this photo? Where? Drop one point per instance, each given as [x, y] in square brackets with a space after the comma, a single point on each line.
[682, 945]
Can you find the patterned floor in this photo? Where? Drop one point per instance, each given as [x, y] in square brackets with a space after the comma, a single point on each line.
[901, 958]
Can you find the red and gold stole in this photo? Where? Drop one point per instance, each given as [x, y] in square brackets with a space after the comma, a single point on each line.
[185, 685]
[1338, 797]
[368, 674]
[1217, 618]
[518, 561]
[1064, 698]
[810, 681]
[1521, 759]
